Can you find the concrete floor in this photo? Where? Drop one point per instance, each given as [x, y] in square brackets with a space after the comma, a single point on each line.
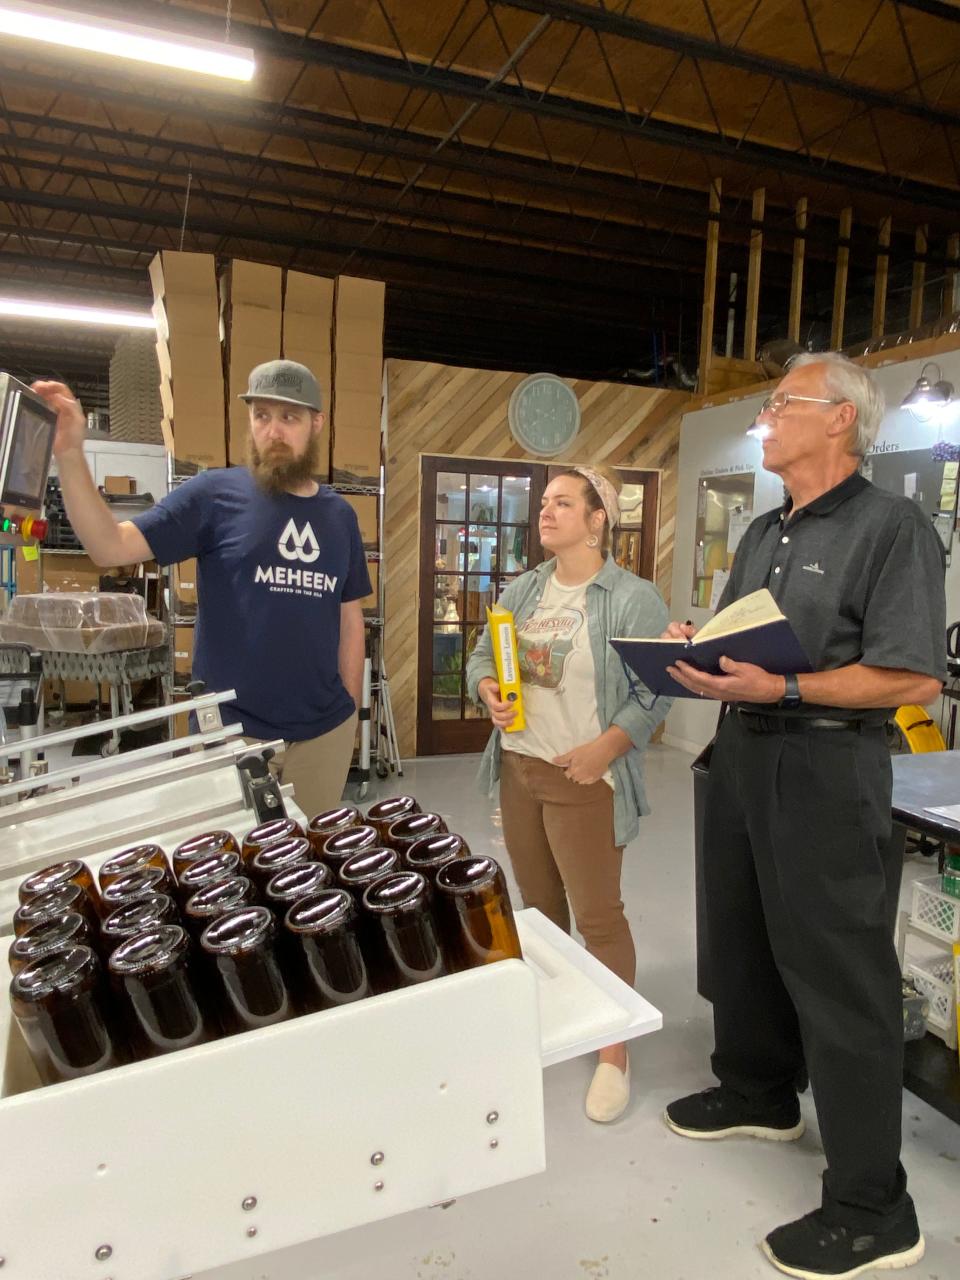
[630, 1200]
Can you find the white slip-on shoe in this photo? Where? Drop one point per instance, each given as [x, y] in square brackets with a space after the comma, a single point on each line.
[609, 1093]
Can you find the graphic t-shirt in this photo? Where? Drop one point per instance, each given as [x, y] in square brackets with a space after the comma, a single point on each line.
[272, 573]
[558, 676]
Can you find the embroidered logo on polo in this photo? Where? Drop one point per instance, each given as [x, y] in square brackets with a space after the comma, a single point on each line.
[814, 568]
[296, 544]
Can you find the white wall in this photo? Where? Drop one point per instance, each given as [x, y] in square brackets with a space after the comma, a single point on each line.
[714, 441]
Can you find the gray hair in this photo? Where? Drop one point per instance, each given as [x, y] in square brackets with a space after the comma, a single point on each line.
[846, 380]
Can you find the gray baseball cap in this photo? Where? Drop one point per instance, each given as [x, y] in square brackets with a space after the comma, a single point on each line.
[283, 380]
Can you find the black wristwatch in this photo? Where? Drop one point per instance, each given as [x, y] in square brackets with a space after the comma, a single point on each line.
[791, 694]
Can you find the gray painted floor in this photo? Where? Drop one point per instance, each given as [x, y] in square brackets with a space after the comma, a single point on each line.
[629, 1200]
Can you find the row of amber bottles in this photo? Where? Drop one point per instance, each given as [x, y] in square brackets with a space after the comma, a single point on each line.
[234, 936]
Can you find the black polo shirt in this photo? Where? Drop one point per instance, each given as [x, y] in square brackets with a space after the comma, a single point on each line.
[859, 575]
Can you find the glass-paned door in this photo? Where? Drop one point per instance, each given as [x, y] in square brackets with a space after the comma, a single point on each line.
[476, 536]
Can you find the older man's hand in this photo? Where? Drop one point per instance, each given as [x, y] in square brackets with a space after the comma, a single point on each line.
[741, 682]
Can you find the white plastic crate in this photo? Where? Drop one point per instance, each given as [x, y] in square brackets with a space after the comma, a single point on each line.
[935, 911]
[933, 978]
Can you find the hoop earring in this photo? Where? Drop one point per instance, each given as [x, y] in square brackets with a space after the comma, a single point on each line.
[593, 541]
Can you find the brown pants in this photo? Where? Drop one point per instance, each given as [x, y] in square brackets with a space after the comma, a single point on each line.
[559, 835]
[317, 768]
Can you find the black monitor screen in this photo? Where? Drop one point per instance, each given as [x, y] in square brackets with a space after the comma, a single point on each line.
[29, 458]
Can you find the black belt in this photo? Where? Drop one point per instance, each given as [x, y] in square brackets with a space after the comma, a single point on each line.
[757, 722]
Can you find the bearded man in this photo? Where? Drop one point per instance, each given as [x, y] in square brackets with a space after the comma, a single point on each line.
[281, 574]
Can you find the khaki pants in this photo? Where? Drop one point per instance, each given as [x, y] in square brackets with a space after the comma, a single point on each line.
[559, 835]
[317, 768]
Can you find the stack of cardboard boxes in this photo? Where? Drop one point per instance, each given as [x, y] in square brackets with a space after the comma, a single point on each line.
[308, 335]
[186, 309]
[250, 297]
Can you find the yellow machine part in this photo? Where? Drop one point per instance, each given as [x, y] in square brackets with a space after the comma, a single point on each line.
[920, 733]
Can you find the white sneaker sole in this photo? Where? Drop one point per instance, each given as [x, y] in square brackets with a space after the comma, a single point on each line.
[892, 1262]
[739, 1131]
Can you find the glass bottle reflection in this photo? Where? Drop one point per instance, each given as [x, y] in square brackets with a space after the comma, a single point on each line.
[361, 869]
[299, 881]
[431, 853]
[328, 823]
[61, 1007]
[405, 947]
[60, 873]
[134, 884]
[277, 856]
[68, 897]
[50, 936]
[474, 912]
[326, 959]
[152, 979]
[132, 859]
[139, 916]
[215, 899]
[202, 846]
[266, 833]
[337, 849]
[416, 826]
[213, 867]
[250, 987]
[383, 812]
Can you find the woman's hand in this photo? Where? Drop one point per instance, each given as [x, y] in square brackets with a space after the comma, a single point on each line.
[586, 764]
[679, 631]
[501, 713]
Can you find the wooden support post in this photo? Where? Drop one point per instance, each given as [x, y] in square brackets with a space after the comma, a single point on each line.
[840, 279]
[880, 279]
[753, 276]
[919, 276]
[951, 284]
[796, 278]
[709, 287]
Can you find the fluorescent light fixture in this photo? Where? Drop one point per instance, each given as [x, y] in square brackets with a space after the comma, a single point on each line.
[24, 309]
[123, 40]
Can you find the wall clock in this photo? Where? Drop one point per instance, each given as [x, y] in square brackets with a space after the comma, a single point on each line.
[544, 415]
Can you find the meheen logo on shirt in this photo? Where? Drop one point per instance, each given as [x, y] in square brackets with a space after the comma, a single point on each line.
[302, 545]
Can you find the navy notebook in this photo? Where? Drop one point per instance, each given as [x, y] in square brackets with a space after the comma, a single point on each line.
[749, 630]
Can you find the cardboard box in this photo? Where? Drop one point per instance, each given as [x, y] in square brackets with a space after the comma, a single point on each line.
[359, 373]
[256, 283]
[70, 571]
[185, 583]
[356, 455]
[360, 301]
[28, 572]
[189, 395]
[183, 650]
[366, 511]
[196, 440]
[308, 328]
[371, 603]
[119, 484]
[175, 272]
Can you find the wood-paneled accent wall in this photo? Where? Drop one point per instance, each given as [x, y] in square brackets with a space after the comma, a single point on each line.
[442, 409]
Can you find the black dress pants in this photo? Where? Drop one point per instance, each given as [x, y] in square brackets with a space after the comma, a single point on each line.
[801, 896]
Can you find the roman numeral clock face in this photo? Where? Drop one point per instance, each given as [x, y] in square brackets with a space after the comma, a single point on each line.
[544, 415]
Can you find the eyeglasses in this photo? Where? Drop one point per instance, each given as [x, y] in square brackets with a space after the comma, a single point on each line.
[775, 404]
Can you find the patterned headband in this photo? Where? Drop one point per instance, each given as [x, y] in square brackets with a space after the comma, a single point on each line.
[606, 493]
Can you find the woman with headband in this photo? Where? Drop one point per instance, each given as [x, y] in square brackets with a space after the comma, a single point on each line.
[571, 782]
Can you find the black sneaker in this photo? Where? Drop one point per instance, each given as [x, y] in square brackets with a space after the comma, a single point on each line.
[811, 1247]
[721, 1113]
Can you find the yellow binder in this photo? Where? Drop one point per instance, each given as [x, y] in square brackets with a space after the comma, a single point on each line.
[503, 635]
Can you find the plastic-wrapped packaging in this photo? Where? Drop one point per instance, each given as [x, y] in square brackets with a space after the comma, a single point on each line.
[80, 622]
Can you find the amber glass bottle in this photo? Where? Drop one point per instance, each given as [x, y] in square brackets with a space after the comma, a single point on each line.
[383, 812]
[61, 1006]
[139, 916]
[132, 859]
[45, 939]
[248, 981]
[415, 826]
[267, 833]
[474, 912]
[216, 899]
[277, 856]
[213, 867]
[60, 873]
[156, 991]
[202, 846]
[361, 869]
[326, 960]
[302, 880]
[331, 821]
[432, 852]
[405, 947]
[134, 884]
[69, 897]
[338, 848]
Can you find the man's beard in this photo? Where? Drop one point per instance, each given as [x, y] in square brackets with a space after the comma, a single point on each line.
[276, 470]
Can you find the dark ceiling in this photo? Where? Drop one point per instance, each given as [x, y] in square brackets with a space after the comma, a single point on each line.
[530, 177]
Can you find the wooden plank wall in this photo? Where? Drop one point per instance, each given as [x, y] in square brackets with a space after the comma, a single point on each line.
[442, 409]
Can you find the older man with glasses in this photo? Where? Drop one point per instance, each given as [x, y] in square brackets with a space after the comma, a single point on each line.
[801, 880]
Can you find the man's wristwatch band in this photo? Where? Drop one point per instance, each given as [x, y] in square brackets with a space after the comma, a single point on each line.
[791, 694]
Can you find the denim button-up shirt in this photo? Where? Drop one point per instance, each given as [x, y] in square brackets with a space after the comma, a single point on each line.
[618, 604]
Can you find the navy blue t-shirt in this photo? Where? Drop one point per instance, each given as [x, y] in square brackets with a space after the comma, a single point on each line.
[272, 573]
